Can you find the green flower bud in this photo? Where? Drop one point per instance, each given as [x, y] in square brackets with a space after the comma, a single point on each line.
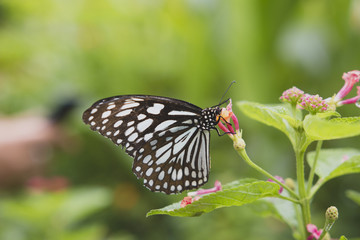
[331, 216]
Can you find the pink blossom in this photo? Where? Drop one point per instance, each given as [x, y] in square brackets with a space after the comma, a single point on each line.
[225, 116]
[281, 180]
[313, 103]
[186, 201]
[292, 95]
[194, 196]
[315, 232]
[350, 79]
[351, 100]
[217, 187]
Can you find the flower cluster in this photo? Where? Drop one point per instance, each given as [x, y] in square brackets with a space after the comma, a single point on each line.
[194, 196]
[313, 103]
[227, 115]
[292, 95]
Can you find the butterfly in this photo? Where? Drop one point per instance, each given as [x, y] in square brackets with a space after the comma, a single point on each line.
[167, 138]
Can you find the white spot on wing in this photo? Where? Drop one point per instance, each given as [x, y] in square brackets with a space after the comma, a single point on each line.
[105, 121]
[161, 175]
[148, 136]
[123, 113]
[137, 99]
[156, 108]
[142, 126]
[179, 174]
[175, 112]
[129, 131]
[164, 125]
[141, 116]
[133, 137]
[111, 106]
[147, 159]
[149, 172]
[118, 123]
[94, 111]
[130, 105]
[106, 114]
[173, 175]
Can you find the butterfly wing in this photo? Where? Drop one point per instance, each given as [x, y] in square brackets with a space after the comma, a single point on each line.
[170, 150]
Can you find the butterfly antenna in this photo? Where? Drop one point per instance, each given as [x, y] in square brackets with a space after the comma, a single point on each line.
[225, 94]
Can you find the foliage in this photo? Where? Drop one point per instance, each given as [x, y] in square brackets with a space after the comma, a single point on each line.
[189, 50]
[301, 131]
[58, 215]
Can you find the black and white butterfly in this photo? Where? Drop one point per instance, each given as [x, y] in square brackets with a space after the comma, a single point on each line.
[168, 138]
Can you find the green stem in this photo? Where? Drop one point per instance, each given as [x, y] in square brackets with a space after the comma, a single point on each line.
[323, 233]
[312, 171]
[304, 201]
[244, 155]
[289, 199]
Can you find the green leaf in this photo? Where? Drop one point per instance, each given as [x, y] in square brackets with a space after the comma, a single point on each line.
[335, 162]
[278, 116]
[318, 128]
[343, 238]
[234, 194]
[353, 195]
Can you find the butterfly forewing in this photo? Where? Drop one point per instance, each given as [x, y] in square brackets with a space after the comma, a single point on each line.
[163, 135]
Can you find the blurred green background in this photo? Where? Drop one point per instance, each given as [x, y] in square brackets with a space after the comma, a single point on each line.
[52, 50]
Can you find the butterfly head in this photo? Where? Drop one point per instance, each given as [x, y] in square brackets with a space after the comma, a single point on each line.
[210, 117]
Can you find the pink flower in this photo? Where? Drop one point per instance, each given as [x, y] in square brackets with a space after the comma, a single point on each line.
[315, 232]
[350, 79]
[217, 187]
[225, 116]
[313, 103]
[194, 196]
[281, 180]
[186, 201]
[292, 95]
[351, 100]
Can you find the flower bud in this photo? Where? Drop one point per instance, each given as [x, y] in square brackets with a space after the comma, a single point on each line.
[290, 183]
[331, 216]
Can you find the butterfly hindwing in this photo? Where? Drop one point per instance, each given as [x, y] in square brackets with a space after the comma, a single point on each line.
[163, 135]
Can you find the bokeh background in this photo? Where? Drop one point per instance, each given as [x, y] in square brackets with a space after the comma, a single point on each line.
[70, 183]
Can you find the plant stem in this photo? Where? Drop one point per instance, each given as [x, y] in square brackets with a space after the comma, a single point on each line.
[244, 155]
[312, 171]
[304, 201]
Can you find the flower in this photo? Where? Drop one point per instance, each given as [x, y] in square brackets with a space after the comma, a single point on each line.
[217, 187]
[292, 95]
[186, 201]
[350, 78]
[280, 180]
[225, 116]
[313, 103]
[315, 232]
[351, 100]
[194, 196]
[331, 215]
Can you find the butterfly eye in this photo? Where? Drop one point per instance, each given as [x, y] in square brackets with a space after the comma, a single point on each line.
[167, 138]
